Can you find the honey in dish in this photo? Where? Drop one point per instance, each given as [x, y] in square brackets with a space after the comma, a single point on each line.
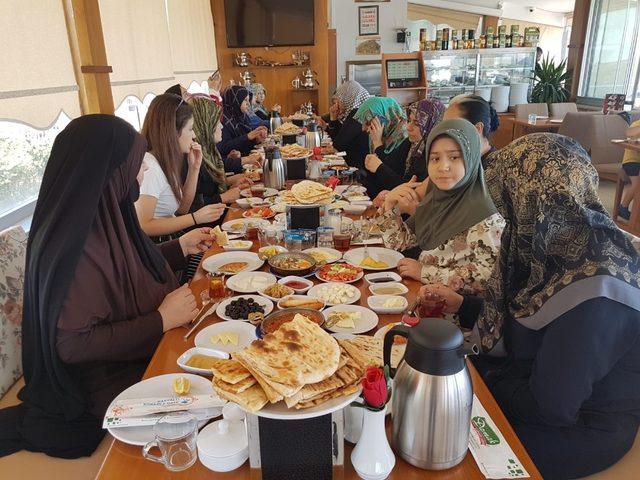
[201, 361]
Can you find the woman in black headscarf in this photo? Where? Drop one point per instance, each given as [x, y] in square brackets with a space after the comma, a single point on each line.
[98, 294]
[237, 133]
[560, 319]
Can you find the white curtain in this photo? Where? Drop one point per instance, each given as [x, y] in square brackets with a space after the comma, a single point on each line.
[37, 81]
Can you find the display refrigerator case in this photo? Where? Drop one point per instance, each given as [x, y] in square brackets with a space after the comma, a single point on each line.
[366, 73]
[454, 72]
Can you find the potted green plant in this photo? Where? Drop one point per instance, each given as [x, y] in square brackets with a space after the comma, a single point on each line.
[549, 82]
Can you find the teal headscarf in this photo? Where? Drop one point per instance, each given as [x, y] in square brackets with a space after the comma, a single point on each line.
[445, 213]
[392, 117]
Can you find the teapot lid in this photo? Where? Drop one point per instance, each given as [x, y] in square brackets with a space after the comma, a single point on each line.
[436, 334]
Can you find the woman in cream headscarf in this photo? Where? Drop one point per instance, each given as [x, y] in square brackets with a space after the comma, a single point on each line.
[456, 227]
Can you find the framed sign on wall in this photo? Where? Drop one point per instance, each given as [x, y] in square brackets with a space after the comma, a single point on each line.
[368, 20]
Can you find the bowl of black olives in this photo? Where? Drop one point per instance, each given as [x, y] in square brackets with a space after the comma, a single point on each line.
[245, 308]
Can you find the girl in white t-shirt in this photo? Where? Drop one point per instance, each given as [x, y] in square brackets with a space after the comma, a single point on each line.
[165, 200]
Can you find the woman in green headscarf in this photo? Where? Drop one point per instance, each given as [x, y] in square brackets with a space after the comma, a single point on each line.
[386, 123]
[213, 184]
[456, 226]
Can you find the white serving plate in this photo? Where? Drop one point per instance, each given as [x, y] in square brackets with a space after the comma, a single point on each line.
[309, 283]
[374, 287]
[376, 303]
[258, 222]
[160, 386]
[392, 276]
[214, 262]
[246, 334]
[244, 202]
[316, 289]
[358, 277]
[265, 302]
[391, 257]
[368, 319]
[280, 411]
[301, 297]
[259, 280]
[184, 358]
[238, 246]
[268, 192]
[354, 209]
[334, 254]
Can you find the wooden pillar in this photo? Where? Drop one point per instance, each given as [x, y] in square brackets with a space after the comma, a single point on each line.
[89, 55]
[577, 43]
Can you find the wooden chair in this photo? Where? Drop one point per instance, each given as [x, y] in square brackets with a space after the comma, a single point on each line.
[27, 465]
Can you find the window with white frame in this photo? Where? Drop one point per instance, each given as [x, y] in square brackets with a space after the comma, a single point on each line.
[612, 51]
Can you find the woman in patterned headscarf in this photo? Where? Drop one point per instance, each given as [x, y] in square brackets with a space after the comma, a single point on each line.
[238, 133]
[562, 308]
[386, 123]
[346, 133]
[423, 116]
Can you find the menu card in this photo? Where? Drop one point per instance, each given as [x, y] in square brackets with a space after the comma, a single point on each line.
[490, 450]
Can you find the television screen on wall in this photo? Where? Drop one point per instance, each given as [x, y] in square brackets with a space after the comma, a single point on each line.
[265, 23]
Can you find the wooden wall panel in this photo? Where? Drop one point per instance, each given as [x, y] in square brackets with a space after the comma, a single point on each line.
[277, 80]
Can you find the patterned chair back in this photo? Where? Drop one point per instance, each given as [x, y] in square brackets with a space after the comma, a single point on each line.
[13, 254]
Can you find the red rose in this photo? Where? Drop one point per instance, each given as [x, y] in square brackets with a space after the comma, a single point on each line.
[374, 387]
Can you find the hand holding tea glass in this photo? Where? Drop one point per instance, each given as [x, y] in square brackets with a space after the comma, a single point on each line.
[436, 299]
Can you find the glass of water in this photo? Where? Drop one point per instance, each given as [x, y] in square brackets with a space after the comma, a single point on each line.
[325, 236]
[532, 119]
[176, 435]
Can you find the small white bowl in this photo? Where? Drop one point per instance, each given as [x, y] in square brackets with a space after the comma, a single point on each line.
[238, 246]
[354, 209]
[306, 281]
[244, 202]
[184, 358]
[376, 303]
[223, 445]
[389, 276]
[374, 287]
[278, 248]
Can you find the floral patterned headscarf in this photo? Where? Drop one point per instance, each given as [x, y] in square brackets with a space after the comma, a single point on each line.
[390, 114]
[560, 247]
[428, 113]
[206, 116]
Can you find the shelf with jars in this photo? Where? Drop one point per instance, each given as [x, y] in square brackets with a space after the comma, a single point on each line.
[454, 72]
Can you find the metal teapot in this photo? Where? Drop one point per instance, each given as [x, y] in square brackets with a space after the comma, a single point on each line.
[432, 395]
[274, 168]
[242, 59]
[247, 77]
[309, 79]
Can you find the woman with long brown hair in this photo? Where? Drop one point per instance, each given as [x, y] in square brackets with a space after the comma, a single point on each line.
[163, 207]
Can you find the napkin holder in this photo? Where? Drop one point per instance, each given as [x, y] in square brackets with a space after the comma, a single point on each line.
[303, 217]
[296, 168]
[310, 449]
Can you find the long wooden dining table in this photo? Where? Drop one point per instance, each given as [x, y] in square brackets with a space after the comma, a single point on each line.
[126, 462]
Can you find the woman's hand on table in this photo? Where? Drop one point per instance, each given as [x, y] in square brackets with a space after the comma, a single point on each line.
[375, 132]
[209, 213]
[252, 159]
[409, 268]
[432, 295]
[379, 200]
[372, 162]
[195, 241]
[177, 308]
[239, 180]
[230, 195]
[258, 134]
